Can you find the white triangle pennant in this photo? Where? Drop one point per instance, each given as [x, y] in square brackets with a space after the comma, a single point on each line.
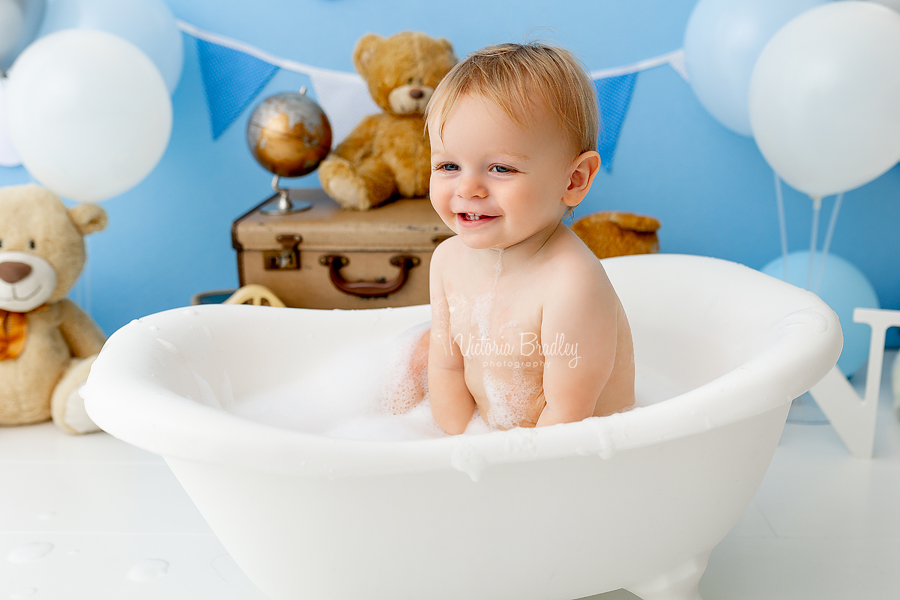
[345, 99]
[676, 61]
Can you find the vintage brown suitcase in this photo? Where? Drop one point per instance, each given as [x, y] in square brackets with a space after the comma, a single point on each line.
[327, 257]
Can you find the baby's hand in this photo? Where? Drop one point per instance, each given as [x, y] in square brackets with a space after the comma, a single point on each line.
[407, 384]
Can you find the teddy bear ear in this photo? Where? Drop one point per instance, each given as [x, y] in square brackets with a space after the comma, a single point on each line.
[364, 50]
[88, 218]
[449, 48]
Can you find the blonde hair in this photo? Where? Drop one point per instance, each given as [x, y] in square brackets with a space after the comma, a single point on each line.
[519, 77]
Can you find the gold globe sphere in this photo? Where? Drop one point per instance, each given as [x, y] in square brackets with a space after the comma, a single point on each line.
[289, 134]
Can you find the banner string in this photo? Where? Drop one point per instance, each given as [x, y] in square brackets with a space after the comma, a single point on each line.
[283, 63]
[674, 59]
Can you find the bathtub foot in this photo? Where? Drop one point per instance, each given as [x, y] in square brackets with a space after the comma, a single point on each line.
[678, 584]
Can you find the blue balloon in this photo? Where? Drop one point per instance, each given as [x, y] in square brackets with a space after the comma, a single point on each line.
[722, 41]
[148, 24]
[844, 288]
[19, 24]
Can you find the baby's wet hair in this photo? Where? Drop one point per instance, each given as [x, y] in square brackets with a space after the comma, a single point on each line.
[520, 78]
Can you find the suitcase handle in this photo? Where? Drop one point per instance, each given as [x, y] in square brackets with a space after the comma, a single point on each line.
[368, 289]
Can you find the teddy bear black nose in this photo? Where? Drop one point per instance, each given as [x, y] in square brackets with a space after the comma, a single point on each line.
[12, 272]
[416, 93]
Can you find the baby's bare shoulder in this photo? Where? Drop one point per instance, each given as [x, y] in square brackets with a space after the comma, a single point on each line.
[447, 252]
[577, 283]
[572, 264]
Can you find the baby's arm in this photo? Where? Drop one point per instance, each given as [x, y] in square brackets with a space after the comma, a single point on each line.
[581, 315]
[452, 405]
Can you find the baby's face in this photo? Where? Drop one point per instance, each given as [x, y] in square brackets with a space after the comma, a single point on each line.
[493, 182]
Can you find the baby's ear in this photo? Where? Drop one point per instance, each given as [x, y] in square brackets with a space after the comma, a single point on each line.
[584, 168]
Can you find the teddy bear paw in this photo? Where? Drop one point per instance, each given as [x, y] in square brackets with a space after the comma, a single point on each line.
[340, 181]
[67, 405]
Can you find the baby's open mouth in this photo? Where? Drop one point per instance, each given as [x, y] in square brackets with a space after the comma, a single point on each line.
[474, 217]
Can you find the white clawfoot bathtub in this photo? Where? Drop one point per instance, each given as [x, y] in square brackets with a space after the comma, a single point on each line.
[635, 500]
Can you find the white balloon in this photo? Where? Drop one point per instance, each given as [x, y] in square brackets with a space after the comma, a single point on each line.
[825, 97]
[8, 155]
[89, 113]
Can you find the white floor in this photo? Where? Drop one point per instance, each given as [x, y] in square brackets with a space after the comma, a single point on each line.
[91, 517]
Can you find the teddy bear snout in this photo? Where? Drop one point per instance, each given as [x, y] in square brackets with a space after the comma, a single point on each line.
[408, 99]
[13, 272]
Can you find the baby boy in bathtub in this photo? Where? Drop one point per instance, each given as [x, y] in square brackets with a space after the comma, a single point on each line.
[526, 327]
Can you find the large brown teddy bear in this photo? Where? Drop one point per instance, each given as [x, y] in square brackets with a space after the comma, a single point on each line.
[388, 154]
[47, 343]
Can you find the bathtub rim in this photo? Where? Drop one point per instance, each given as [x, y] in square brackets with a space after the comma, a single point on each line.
[161, 421]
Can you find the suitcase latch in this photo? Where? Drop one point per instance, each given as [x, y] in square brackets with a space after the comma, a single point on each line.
[288, 257]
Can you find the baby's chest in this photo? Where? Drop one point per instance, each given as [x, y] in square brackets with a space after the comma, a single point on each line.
[485, 326]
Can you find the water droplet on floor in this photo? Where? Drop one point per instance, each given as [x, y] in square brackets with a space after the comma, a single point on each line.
[23, 593]
[30, 552]
[47, 516]
[148, 570]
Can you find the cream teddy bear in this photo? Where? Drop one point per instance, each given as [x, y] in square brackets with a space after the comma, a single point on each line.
[47, 343]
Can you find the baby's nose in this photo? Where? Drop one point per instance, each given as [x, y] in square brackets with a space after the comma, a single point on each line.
[471, 187]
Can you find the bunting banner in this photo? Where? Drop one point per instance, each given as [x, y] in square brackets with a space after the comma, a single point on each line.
[235, 72]
[614, 89]
[343, 96]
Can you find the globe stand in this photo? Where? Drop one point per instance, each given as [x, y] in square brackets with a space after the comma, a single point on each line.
[285, 205]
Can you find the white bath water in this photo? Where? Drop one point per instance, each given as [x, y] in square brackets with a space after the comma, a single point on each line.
[350, 398]
[369, 393]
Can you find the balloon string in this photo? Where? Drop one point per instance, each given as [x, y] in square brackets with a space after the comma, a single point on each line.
[782, 225]
[832, 223]
[817, 208]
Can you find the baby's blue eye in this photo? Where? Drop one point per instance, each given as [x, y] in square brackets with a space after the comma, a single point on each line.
[447, 167]
[501, 169]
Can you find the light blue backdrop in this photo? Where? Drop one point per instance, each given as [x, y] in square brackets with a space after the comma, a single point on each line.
[170, 237]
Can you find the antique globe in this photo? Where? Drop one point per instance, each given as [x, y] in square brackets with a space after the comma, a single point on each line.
[289, 135]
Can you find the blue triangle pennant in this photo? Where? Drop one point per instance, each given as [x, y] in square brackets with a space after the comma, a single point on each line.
[613, 96]
[231, 80]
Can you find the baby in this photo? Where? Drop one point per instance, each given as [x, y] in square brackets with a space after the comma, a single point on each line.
[526, 327]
